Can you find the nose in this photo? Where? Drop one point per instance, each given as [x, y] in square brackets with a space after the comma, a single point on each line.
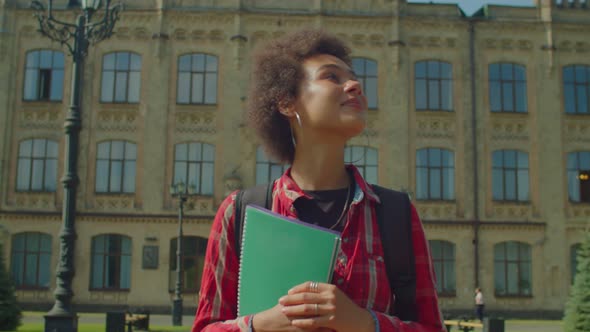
[353, 86]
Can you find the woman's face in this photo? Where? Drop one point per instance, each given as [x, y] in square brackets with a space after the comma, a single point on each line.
[331, 101]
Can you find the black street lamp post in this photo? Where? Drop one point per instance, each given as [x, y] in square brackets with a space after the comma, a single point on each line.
[77, 37]
[182, 192]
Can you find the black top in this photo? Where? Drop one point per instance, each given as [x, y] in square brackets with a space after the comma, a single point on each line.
[325, 208]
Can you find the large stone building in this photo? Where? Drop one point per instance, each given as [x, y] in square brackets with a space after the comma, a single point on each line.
[483, 120]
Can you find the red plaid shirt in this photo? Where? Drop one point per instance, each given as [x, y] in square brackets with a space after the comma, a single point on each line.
[360, 270]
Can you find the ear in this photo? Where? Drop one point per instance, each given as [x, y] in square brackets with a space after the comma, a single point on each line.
[286, 108]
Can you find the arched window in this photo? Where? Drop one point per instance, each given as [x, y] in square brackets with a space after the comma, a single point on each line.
[512, 269]
[192, 260]
[194, 165]
[111, 262]
[435, 174]
[44, 76]
[366, 72]
[507, 87]
[37, 165]
[197, 79]
[433, 85]
[267, 170]
[576, 89]
[30, 262]
[365, 159]
[121, 77]
[443, 258]
[115, 167]
[510, 175]
[578, 176]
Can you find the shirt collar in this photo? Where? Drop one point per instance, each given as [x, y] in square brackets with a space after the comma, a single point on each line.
[290, 191]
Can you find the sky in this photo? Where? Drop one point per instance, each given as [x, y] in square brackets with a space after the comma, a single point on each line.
[470, 6]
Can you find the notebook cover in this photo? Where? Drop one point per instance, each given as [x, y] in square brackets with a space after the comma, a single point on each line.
[278, 253]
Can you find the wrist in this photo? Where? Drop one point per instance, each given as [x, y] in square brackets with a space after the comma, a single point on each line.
[372, 324]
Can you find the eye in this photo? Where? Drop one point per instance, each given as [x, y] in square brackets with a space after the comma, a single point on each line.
[332, 77]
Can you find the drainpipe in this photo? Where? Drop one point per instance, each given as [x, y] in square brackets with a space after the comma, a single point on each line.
[475, 159]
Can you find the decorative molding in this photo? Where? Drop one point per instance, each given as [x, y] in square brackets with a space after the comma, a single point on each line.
[437, 210]
[432, 42]
[508, 44]
[41, 119]
[201, 205]
[125, 121]
[196, 121]
[108, 297]
[577, 130]
[36, 295]
[45, 201]
[510, 129]
[510, 211]
[577, 211]
[435, 127]
[112, 203]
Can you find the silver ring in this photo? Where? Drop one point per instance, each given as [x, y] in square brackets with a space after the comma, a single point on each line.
[317, 309]
[313, 287]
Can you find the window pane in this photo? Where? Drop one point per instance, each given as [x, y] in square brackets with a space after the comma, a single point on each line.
[37, 176]
[208, 152]
[495, 97]
[584, 158]
[197, 88]
[24, 173]
[50, 175]
[525, 278]
[520, 73]
[494, 71]
[102, 176]
[510, 178]
[507, 97]
[523, 159]
[58, 60]
[39, 148]
[521, 98]
[31, 270]
[121, 87]
[134, 87]
[523, 185]
[422, 157]
[135, 62]
[371, 174]
[180, 172]
[97, 271]
[181, 152]
[32, 59]
[433, 69]
[108, 82]
[129, 179]
[130, 151]
[57, 80]
[371, 68]
[261, 173]
[184, 85]
[580, 74]
[506, 71]
[433, 95]
[498, 159]
[448, 158]
[125, 276]
[275, 171]
[421, 94]
[210, 88]
[194, 174]
[499, 278]
[122, 61]
[371, 92]
[31, 77]
[434, 157]
[420, 69]
[422, 183]
[572, 160]
[497, 184]
[446, 71]
[198, 62]
[207, 185]
[211, 63]
[446, 95]
[116, 174]
[570, 99]
[358, 66]
[512, 278]
[568, 74]
[509, 158]
[108, 62]
[45, 59]
[448, 183]
[573, 183]
[582, 103]
[44, 270]
[184, 63]
[435, 184]
[117, 150]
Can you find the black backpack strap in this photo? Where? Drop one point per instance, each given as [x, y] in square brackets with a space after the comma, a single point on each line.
[395, 226]
[260, 195]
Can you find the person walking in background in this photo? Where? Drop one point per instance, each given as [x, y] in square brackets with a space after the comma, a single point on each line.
[479, 304]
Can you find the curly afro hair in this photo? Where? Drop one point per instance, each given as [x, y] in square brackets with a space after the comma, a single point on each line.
[277, 72]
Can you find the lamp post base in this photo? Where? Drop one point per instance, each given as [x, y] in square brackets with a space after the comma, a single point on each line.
[177, 312]
[65, 323]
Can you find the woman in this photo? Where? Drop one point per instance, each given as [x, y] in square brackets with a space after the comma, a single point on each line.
[305, 103]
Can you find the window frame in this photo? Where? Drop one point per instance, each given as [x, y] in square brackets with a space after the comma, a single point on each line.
[514, 82]
[118, 256]
[53, 69]
[263, 162]
[110, 160]
[575, 86]
[515, 171]
[363, 76]
[200, 247]
[199, 162]
[205, 72]
[128, 71]
[578, 170]
[440, 170]
[440, 262]
[438, 81]
[519, 264]
[26, 253]
[362, 164]
[31, 158]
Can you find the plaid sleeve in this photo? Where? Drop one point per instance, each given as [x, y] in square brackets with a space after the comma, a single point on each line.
[429, 316]
[217, 307]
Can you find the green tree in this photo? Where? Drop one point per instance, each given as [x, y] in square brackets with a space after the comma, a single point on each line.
[10, 313]
[577, 310]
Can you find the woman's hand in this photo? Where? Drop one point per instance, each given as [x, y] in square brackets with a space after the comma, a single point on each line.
[274, 320]
[324, 306]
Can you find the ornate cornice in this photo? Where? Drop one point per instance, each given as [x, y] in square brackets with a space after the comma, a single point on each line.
[509, 129]
[577, 129]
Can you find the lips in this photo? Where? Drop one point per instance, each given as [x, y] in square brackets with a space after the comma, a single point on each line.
[354, 103]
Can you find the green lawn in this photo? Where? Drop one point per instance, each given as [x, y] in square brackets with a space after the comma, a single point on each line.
[100, 328]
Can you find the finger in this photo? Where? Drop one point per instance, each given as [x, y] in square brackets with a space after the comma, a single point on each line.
[313, 322]
[309, 287]
[300, 298]
[307, 310]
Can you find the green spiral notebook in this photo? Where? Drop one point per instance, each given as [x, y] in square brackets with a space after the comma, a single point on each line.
[279, 253]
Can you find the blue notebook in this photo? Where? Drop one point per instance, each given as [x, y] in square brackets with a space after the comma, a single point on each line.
[278, 253]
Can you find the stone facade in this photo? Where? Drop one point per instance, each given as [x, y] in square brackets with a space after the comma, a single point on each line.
[395, 34]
